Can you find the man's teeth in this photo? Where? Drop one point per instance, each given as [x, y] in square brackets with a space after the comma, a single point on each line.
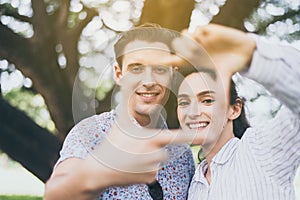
[198, 125]
[148, 94]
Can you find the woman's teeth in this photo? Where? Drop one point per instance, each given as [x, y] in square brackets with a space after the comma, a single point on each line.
[197, 125]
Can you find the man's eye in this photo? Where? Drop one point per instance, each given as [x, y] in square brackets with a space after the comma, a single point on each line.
[160, 70]
[183, 103]
[136, 69]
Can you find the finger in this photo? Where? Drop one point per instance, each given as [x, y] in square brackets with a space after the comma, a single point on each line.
[188, 53]
[185, 46]
[133, 156]
[177, 136]
[185, 31]
[175, 61]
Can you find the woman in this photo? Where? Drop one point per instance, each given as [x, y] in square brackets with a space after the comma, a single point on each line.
[262, 164]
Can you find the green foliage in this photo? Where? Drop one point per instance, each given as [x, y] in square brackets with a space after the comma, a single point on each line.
[18, 197]
[32, 104]
[195, 150]
[7, 8]
[277, 18]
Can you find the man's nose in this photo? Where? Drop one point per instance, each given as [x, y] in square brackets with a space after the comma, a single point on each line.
[148, 79]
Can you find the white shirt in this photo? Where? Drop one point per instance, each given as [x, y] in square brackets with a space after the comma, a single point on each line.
[262, 165]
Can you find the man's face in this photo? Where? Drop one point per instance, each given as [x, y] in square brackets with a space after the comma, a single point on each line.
[144, 80]
[202, 108]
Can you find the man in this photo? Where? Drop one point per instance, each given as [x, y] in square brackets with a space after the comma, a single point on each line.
[105, 151]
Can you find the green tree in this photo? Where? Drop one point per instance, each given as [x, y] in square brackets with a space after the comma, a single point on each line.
[53, 48]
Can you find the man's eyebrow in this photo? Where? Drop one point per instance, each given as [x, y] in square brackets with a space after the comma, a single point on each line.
[134, 64]
[199, 94]
[151, 65]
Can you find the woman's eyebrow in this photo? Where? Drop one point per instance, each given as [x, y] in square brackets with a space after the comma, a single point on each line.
[182, 95]
[198, 95]
[207, 92]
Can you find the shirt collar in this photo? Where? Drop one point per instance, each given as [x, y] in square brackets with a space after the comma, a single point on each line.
[226, 151]
[221, 157]
[199, 174]
[160, 124]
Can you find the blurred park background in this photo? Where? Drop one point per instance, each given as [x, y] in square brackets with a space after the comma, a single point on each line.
[55, 68]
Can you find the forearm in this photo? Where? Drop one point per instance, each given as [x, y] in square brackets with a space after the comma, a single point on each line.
[277, 141]
[277, 68]
[77, 179]
[86, 178]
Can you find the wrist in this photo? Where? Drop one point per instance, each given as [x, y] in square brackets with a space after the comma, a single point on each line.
[251, 43]
[97, 175]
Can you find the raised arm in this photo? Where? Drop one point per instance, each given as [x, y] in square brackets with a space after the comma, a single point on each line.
[277, 68]
[276, 143]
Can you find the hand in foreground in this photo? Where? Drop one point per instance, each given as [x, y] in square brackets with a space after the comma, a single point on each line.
[228, 49]
[135, 154]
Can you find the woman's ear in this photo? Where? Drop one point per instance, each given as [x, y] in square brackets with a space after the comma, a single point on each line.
[118, 74]
[236, 109]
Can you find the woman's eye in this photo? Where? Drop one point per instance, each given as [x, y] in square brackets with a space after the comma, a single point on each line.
[208, 101]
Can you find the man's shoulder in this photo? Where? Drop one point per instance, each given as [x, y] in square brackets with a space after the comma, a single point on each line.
[96, 123]
[179, 153]
[105, 117]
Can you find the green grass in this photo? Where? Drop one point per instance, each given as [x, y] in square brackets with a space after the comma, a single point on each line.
[19, 197]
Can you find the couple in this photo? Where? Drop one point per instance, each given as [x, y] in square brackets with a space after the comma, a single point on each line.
[106, 157]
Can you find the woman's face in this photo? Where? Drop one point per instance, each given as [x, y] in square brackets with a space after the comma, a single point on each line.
[203, 108]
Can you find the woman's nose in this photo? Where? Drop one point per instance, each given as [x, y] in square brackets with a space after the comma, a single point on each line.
[194, 110]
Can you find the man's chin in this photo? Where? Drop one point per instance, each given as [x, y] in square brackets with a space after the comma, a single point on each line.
[149, 109]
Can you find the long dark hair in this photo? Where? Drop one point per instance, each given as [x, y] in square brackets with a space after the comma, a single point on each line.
[241, 123]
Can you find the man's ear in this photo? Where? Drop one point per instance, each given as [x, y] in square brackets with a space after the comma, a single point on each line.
[118, 74]
[236, 109]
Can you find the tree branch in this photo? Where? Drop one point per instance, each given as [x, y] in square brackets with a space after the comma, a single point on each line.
[40, 21]
[173, 14]
[15, 48]
[232, 14]
[76, 31]
[8, 10]
[69, 39]
[62, 15]
[26, 142]
[264, 24]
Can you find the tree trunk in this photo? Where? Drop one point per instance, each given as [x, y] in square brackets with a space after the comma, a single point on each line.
[21, 139]
[234, 12]
[34, 147]
[171, 14]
